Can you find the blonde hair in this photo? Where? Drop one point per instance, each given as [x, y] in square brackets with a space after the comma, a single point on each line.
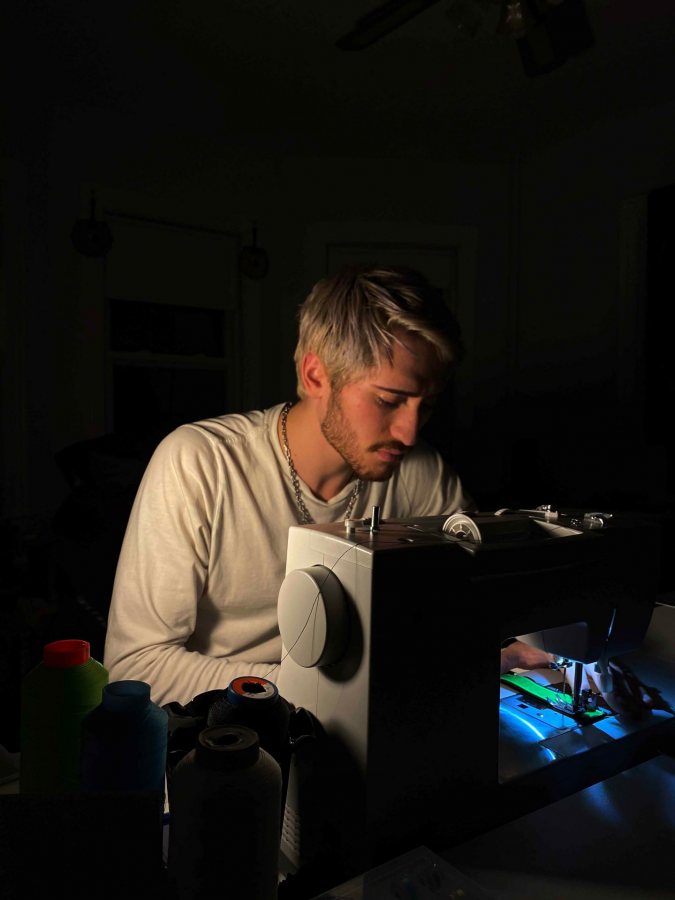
[350, 320]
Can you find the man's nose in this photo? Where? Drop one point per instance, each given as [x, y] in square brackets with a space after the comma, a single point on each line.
[406, 425]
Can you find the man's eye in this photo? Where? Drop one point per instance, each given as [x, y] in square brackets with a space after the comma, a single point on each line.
[390, 404]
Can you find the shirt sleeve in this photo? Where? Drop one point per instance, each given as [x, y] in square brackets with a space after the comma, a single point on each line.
[161, 574]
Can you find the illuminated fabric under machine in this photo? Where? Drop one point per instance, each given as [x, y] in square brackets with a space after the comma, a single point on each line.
[392, 633]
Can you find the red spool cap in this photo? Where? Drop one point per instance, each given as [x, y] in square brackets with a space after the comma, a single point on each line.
[66, 654]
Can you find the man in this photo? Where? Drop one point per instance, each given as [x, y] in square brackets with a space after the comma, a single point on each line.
[195, 594]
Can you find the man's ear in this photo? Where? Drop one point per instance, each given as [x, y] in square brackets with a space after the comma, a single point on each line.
[314, 377]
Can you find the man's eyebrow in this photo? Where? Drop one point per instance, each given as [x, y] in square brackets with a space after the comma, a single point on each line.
[402, 393]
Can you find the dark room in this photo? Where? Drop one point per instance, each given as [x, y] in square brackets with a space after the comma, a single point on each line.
[337, 471]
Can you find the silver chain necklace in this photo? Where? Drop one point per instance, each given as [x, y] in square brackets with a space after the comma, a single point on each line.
[306, 515]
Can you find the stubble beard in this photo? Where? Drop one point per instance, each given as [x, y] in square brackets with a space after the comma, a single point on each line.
[339, 434]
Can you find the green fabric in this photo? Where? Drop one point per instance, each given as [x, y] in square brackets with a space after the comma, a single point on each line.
[550, 696]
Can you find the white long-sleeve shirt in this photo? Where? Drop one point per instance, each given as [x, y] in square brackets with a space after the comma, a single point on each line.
[194, 602]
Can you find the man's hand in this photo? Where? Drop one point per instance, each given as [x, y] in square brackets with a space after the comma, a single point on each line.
[520, 655]
[621, 689]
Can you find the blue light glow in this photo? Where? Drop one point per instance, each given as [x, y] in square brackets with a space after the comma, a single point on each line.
[526, 723]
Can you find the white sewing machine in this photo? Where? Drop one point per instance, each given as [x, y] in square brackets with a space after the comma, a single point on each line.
[392, 634]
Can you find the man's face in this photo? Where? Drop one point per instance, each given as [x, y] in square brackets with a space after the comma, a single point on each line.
[374, 421]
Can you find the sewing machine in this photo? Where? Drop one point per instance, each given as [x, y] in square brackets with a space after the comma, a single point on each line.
[392, 634]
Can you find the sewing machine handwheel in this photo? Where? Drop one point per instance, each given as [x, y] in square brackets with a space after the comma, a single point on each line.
[313, 616]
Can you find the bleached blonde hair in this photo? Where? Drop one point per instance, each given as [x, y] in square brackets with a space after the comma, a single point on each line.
[352, 319]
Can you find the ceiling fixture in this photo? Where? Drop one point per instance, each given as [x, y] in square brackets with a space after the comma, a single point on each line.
[512, 20]
[546, 32]
[555, 31]
[381, 21]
